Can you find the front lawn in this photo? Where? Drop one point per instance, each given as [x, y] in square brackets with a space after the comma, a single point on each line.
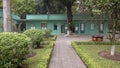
[89, 54]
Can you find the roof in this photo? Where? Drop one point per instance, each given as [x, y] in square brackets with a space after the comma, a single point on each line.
[47, 17]
[33, 17]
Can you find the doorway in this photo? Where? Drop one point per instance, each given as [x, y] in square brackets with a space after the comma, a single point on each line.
[62, 28]
[72, 29]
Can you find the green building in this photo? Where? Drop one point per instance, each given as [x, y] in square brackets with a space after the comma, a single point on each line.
[82, 23]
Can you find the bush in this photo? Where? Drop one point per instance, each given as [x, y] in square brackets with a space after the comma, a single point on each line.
[47, 32]
[36, 36]
[13, 49]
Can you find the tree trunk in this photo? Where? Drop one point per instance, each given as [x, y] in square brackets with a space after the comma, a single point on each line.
[114, 16]
[113, 50]
[113, 33]
[69, 18]
[7, 25]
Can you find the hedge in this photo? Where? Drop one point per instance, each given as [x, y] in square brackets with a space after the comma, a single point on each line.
[86, 58]
[13, 49]
[47, 32]
[96, 43]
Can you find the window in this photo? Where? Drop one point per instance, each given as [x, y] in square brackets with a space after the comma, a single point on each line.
[92, 26]
[82, 27]
[55, 27]
[32, 26]
[76, 28]
[101, 27]
[43, 25]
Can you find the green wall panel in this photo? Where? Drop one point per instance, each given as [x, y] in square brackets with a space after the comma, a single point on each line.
[50, 25]
[61, 19]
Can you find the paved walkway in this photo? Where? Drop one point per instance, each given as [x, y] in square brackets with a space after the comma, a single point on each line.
[64, 56]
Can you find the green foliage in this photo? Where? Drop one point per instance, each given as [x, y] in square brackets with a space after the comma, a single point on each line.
[13, 49]
[90, 55]
[96, 43]
[36, 36]
[66, 2]
[118, 26]
[104, 6]
[23, 7]
[41, 60]
[86, 58]
[49, 6]
[51, 38]
[109, 7]
[47, 32]
[1, 5]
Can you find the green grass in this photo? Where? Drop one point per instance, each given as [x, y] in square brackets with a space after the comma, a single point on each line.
[42, 57]
[89, 54]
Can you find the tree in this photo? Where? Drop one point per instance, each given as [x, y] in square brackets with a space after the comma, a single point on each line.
[7, 25]
[68, 4]
[49, 6]
[112, 8]
[23, 7]
[81, 7]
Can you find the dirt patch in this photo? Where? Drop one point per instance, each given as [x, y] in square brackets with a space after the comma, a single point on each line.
[107, 55]
[31, 54]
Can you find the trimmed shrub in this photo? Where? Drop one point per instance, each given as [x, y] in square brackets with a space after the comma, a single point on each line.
[47, 32]
[13, 49]
[85, 57]
[96, 43]
[36, 36]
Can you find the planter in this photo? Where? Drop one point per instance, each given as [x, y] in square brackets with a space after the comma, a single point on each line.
[94, 38]
[97, 38]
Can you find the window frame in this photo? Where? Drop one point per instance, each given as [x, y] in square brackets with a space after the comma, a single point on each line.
[32, 26]
[92, 26]
[55, 27]
[43, 26]
[101, 27]
[82, 27]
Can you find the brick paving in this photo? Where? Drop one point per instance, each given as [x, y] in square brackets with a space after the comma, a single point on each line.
[64, 56]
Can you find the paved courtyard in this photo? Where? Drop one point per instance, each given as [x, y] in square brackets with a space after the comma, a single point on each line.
[63, 55]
